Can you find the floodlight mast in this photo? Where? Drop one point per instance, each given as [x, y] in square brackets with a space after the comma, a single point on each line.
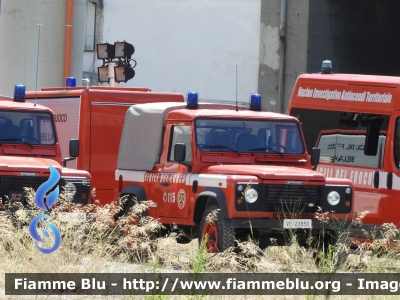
[111, 75]
[123, 52]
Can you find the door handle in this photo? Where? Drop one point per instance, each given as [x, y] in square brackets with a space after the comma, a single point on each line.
[389, 180]
[164, 184]
[376, 179]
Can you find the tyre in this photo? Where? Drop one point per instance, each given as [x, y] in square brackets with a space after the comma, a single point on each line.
[215, 230]
[125, 204]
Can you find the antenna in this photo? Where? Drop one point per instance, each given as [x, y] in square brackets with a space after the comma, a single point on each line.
[236, 92]
[37, 61]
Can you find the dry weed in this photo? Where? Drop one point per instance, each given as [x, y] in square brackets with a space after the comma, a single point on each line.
[245, 257]
[92, 245]
[85, 245]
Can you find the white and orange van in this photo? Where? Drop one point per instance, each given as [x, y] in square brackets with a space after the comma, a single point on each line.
[355, 121]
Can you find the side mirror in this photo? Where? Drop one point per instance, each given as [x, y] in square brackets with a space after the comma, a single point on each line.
[74, 148]
[315, 155]
[73, 151]
[372, 138]
[179, 152]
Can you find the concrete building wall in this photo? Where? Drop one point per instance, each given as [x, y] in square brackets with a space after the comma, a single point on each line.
[30, 60]
[196, 45]
[90, 62]
[294, 56]
[268, 74]
[78, 40]
[19, 34]
[296, 45]
[189, 45]
[359, 36]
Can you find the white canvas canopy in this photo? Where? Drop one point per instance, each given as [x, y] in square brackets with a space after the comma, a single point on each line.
[141, 141]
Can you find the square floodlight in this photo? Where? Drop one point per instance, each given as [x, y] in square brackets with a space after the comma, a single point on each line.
[102, 73]
[123, 49]
[123, 73]
[105, 51]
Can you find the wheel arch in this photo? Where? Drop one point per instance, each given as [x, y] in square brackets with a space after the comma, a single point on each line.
[136, 190]
[133, 190]
[209, 196]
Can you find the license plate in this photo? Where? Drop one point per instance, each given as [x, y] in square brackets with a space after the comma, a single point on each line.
[297, 223]
[16, 196]
[72, 217]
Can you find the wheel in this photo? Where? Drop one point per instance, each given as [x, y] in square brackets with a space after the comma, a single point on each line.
[277, 145]
[125, 203]
[216, 230]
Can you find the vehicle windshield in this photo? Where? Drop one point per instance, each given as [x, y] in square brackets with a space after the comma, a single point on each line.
[255, 136]
[33, 128]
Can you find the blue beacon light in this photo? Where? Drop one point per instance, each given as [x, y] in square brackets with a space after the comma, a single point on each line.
[255, 102]
[192, 100]
[70, 82]
[326, 67]
[19, 93]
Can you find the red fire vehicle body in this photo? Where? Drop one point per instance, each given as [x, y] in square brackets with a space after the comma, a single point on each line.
[29, 144]
[250, 169]
[355, 121]
[95, 116]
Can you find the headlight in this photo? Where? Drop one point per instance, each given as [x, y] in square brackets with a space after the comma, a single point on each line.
[70, 189]
[333, 198]
[250, 195]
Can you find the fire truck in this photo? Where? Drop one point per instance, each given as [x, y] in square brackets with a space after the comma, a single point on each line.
[355, 121]
[95, 115]
[226, 172]
[29, 143]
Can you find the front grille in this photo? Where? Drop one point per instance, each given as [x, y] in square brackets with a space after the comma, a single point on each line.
[10, 183]
[82, 194]
[15, 184]
[292, 198]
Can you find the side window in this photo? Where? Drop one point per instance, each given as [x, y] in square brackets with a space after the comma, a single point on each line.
[26, 128]
[46, 131]
[313, 121]
[289, 138]
[348, 149]
[181, 134]
[264, 136]
[397, 144]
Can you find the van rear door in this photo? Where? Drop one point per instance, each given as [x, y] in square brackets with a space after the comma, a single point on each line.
[342, 156]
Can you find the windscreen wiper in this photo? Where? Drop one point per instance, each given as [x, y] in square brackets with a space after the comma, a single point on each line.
[15, 139]
[266, 148]
[221, 147]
